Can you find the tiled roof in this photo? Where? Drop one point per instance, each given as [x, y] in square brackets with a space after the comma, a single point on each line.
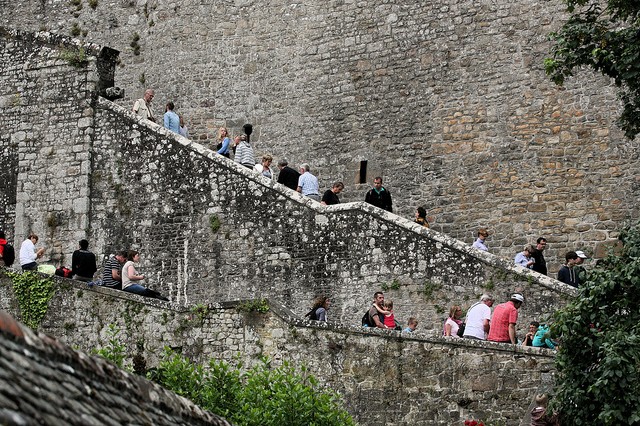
[44, 382]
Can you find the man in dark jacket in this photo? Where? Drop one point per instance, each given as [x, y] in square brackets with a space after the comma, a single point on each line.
[567, 273]
[540, 264]
[287, 176]
[379, 196]
[83, 263]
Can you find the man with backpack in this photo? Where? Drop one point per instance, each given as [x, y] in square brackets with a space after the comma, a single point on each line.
[7, 253]
[373, 317]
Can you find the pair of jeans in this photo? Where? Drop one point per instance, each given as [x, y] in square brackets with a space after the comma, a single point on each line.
[33, 266]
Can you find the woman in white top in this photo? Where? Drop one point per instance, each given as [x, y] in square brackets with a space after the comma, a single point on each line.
[131, 279]
[29, 254]
[264, 168]
[452, 324]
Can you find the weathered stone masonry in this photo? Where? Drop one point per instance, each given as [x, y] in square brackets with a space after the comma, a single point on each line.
[211, 231]
[143, 187]
[448, 101]
[386, 378]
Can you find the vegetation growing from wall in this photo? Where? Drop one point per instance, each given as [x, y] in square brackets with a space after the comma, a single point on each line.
[114, 351]
[75, 57]
[603, 36]
[599, 359]
[33, 292]
[263, 395]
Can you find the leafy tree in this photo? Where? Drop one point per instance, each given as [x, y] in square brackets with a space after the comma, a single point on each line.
[599, 360]
[605, 36]
[263, 395]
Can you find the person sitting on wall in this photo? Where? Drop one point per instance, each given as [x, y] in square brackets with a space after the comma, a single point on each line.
[566, 273]
[319, 309]
[83, 263]
[171, 120]
[542, 338]
[264, 168]
[379, 196]
[528, 338]
[112, 273]
[142, 106]
[478, 319]
[480, 243]
[287, 176]
[421, 217]
[131, 279]
[29, 254]
[330, 196]
[244, 153]
[524, 258]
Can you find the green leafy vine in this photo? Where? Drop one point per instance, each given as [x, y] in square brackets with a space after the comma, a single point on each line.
[33, 292]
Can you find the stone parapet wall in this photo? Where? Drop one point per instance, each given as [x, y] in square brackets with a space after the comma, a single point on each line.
[47, 92]
[385, 377]
[209, 229]
[448, 102]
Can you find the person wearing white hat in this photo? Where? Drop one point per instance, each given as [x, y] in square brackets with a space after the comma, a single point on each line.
[503, 322]
[581, 272]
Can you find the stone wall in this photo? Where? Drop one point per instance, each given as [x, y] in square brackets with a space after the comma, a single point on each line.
[47, 90]
[386, 378]
[209, 229]
[447, 101]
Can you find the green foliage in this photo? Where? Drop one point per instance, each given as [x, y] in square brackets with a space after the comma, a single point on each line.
[214, 223]
[33, 293]
[77, 4]
[605, 37]
[263, 395]
[135, 38]
[76, 30]
[393, 285]
[93, 4]
[115, 351]
[599, 359]
[75, 57]
[489, 285]
[257, 305]
[429, 288]
[200, 311]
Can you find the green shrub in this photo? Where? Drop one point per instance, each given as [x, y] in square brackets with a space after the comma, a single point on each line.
[263, 395]
[114, 351]
[599, 357]
[33, 293]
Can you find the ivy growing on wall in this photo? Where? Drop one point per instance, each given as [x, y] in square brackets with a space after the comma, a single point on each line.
[33, 292]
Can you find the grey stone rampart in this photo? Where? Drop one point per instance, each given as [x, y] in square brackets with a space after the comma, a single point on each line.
[386, 377]
[209, 229]
[447, 101]
[48, 88]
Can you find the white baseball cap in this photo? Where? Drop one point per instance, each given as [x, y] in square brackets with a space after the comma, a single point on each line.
[517, 297]
[581, 254]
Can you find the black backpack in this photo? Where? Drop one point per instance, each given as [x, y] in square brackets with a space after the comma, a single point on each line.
[366, 321]
[312, 314]
[8, 255]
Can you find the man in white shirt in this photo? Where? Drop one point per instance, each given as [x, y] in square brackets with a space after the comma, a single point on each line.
[478, 318]
[308, 183]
